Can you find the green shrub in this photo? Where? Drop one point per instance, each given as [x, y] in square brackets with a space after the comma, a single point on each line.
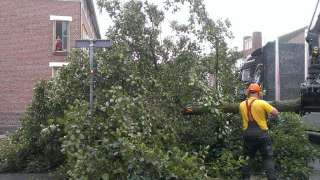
[8, 155]
[137, 130]
[292, 149]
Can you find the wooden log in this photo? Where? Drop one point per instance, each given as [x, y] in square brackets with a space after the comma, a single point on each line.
[283, 106]
[292, 105]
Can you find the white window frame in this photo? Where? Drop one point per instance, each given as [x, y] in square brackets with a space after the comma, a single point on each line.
[60, 18]
[56, 66]
[56, 18]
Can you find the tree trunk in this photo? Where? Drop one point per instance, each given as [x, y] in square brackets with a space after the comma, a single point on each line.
[283, 106]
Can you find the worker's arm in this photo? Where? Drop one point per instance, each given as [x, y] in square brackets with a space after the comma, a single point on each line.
[274, 113]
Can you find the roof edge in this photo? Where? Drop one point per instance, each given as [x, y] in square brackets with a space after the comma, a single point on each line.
[93, 17]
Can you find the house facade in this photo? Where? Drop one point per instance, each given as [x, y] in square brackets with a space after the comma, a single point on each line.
[279, 66]
[36, 37]
[251, 43]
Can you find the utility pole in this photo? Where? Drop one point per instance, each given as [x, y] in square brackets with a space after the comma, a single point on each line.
[92, 44]
[217, 62]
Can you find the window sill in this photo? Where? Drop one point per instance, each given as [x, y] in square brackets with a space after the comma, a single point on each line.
[59, 53]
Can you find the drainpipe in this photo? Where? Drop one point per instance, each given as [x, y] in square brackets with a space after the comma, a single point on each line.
[306, 55]
[277, 71]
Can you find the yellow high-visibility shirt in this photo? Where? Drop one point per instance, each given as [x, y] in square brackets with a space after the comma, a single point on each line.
[259, 111]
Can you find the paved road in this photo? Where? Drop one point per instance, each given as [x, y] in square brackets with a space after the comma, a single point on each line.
[25, 177]
[312, 119]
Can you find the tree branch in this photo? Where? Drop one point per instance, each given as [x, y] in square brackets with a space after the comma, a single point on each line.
[283, 106]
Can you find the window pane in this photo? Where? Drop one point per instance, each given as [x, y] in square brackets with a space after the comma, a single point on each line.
[58, 30]
[62, 35]
[65, 33]
[246, 75]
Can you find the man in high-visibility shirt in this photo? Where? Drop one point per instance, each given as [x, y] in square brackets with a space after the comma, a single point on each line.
[254, 113]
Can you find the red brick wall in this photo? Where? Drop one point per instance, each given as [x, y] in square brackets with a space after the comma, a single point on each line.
[256, 43]
[256, 40]
[245, 50]
[26, 49]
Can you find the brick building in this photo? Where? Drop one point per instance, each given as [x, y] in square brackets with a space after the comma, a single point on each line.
[279, 66]
[35, 39]
[251, 43]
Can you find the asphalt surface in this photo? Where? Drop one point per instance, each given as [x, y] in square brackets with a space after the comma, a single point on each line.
[312, 119]
[21, 176]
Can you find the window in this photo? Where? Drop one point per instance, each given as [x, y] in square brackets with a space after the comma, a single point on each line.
[61, 33]
[56, 66]
[210, 79]
[245, 75]
[248, 44]
[61, 36]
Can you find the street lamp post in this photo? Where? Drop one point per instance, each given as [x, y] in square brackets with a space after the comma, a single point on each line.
[92, 44]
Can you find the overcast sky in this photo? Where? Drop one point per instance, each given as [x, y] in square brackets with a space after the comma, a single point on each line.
[271, 17]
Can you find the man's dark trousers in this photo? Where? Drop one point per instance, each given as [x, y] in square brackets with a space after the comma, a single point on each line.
[264, 146]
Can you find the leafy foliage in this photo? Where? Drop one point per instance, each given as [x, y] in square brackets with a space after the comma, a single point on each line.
[293, 151]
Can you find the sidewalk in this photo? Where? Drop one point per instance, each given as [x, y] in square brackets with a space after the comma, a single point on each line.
[21, 176]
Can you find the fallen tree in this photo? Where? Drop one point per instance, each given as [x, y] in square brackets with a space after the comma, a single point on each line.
[283, 106]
